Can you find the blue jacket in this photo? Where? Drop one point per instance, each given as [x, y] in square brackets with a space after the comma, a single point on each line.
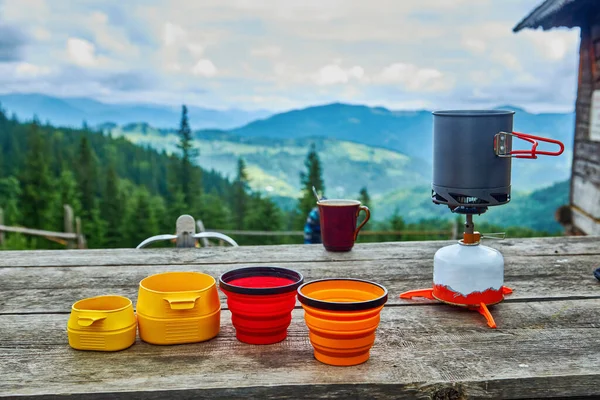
[312, 227]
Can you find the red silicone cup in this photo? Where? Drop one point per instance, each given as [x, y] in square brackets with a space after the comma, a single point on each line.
[261, 300]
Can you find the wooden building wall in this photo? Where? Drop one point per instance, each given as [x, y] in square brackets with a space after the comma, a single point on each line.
[585, 181]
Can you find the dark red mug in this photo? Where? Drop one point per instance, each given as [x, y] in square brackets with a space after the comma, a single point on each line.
[338, 223]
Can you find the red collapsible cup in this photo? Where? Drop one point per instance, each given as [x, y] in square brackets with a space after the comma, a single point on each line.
[261, 300]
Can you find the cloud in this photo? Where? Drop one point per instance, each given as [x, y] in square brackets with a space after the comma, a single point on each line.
[433, 53]
[266, 51]
[173, 34]
[553, 45]
[477, 46]
[414, 78]
[332, 74]
[81, 52]
[30, 70]
[12, 42]
[204, 68]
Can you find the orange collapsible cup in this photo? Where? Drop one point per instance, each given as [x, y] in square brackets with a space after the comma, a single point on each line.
[342, 316]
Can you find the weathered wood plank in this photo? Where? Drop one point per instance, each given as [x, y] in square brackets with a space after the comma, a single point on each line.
[588, 150]
[287, 253]
[55, 289]
[38, 232]
[586, 195]
[585, 223]
[541, 349]
[589, 171]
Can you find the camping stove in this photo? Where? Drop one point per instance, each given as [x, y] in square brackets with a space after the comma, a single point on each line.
[467, 274]
[472, 155]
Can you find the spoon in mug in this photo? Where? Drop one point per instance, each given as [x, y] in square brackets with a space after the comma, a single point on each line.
[316, 194]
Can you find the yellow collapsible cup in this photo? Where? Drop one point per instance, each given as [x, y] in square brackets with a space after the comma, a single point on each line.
[178, 307]
[103, 323]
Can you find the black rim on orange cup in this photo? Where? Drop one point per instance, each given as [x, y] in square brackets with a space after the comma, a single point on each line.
[261, 300]
[349, 305]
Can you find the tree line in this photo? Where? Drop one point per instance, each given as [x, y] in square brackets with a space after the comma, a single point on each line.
[125, 193]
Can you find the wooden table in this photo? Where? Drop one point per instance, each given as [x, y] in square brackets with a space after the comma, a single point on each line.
[547, 343]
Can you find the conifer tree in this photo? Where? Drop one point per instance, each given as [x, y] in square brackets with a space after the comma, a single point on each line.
[364, 198]
[141, 222]
[312, 177]
[68, 193]
[397, 224]
[240, 195]
[37, 188]
[265, 216]
[112, 209]
[189, 178]
[10, 193]
[86, 176]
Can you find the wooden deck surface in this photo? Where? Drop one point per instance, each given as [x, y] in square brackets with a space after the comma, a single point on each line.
[547, 343]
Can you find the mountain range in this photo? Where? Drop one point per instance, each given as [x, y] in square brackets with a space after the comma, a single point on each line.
[74, 111]
[387, 151]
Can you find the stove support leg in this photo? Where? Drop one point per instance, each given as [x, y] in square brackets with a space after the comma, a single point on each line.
[483, 310]
[426, 293]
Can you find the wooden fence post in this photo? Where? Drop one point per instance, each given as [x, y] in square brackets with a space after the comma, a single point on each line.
[1, 223]
[80, 238]
[69, 225]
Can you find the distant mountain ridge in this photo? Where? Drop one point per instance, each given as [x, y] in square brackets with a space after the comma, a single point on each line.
[410, 133]
[381, 149]
[74, 110]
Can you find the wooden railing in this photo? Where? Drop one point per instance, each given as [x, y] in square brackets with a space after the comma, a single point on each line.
[72, 237]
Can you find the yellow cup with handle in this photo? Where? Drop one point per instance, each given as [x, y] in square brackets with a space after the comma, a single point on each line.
[178, 307]
[102, 323]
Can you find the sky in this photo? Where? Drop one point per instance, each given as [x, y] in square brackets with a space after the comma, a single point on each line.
[285, 54]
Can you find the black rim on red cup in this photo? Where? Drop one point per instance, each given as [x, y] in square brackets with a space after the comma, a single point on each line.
[260, 284]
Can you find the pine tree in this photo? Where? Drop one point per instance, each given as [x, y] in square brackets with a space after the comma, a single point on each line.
[240, 195]
[95, 228]
[112, 209]
[10, 192]
[397, 224]
[189, 178]
[68, 193]
[264, 216]
[312, 177]
[86, 176]
[141, 221]
[37, 189]
[364, 198]
[213, 212]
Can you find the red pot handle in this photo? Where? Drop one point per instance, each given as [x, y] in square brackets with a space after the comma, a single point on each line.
[500, 146]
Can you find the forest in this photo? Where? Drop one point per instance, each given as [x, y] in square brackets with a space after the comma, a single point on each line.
[124, 193]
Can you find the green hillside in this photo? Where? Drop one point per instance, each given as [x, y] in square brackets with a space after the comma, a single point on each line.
[533, 210]
[396, 181]
[123, 193]
[274, 165]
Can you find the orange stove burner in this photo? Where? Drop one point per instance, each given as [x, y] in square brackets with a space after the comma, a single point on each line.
[476, 301]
